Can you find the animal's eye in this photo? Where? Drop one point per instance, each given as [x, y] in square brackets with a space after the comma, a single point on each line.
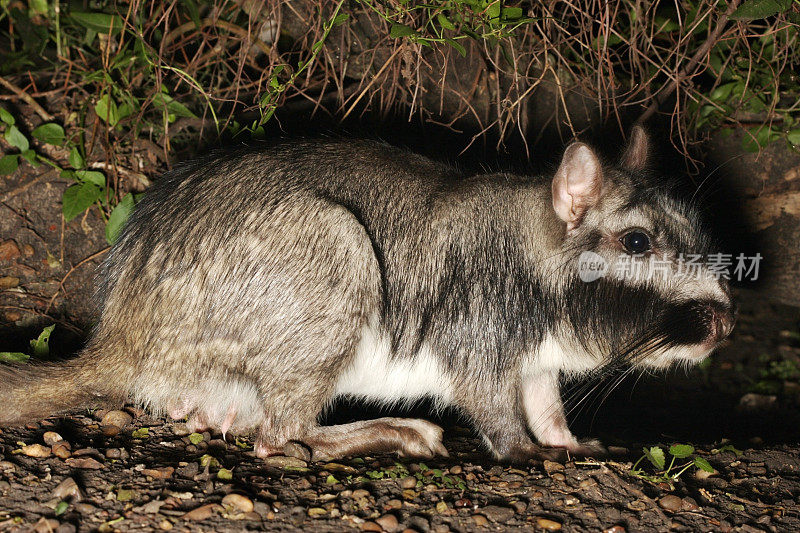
[636, 242]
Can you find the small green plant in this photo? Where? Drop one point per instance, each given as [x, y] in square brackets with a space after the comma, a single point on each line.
[40, 347]
[90, 185]
[774, 375]
[669, 473]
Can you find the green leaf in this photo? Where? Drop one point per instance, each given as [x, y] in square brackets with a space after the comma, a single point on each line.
[340, 19]
[224, 473]
[512, 13]
[681, 451]
[38, 7]
[759, 9]
[209, 460]
[704, 465]
[793, 137]
[119, 215]
[458, 46]
[730, 448]
[173, 106]
[50, 134]
[140, 433]
[493, 11]
[76, 159]
[78, 198]
[98, 22]
[400, 30]
[61, 508]
[444, 22]
[721, 93]
[41, 346]
[195, 438]
[9, 164]
[106, 109]
[91, 176]
[30, 156]
[16, 139]
[656, 456]
[6, 117]
[14, 357]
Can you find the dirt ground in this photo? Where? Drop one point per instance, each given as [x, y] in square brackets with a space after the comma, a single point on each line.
[124, 471]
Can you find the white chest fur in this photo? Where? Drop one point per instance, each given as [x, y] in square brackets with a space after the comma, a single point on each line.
[375, 375]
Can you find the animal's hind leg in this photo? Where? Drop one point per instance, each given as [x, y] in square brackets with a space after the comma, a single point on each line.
[403, 436]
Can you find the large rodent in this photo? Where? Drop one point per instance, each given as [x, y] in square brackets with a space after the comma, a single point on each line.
[250, 290]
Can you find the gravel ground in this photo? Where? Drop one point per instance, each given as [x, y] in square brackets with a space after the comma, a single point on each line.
[104, 478]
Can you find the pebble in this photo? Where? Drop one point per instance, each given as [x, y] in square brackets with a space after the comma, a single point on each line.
[151, 507]
[280, 461]
[702, 475]
[754, 403]
[159, 473]
[51, 437]
[46, 525]
[455, 470]
[388, 522]
[689, 504]
[36, 450]
[202, 512]
[7, 466]
[113, 453]
[670, 503]
[116, 418]
[370, 526]
[519, 507]
[9, 250]
[497, 513]
[393, 504]
[316, 512]
[62, 450]
[547, 524]
[408, 482]
[360, 493]
[480, 520]
[180, 430]
[165, 524]
[614, 529]
[66, 527]
[67, 489]
[239, 502]
[551, 466]
[88, 463]
[85, 508]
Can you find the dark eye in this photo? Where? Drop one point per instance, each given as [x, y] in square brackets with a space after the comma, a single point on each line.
[636, 242]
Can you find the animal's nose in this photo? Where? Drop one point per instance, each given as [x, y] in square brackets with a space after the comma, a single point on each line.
[722, 318]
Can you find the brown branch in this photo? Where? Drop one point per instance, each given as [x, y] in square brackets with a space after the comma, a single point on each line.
[47, 117]
[687, 70]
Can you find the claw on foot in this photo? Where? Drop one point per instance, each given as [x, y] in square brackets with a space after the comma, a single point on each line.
[230, 418]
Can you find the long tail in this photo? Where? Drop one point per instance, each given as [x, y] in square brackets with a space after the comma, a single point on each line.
[31, 392]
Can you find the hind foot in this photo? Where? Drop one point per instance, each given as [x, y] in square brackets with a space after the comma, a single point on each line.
[403, 436]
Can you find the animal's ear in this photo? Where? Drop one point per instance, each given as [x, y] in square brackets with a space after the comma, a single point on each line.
[577, 184]
[637, 153]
